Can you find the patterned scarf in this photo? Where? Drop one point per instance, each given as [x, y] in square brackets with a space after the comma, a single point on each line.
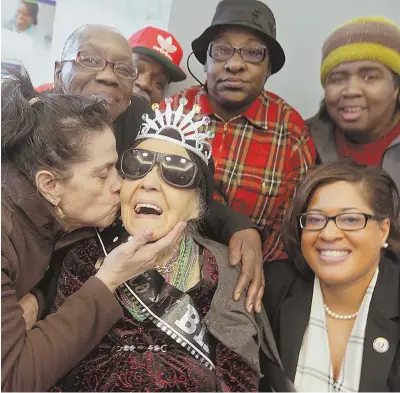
[314, 369]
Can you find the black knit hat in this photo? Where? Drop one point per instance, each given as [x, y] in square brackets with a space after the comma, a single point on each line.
[251, 14]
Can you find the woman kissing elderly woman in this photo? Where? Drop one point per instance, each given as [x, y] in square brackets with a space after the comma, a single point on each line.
[181, 329]
[58, 175]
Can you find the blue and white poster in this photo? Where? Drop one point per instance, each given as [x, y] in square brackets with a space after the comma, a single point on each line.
[27, 33]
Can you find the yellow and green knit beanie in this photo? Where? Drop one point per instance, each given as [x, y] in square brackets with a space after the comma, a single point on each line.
[370, 38]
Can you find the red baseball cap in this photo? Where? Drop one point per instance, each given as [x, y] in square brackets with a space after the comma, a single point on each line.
[45, 87]
[162, 46]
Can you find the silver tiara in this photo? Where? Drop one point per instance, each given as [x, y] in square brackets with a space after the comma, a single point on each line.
[191, 137]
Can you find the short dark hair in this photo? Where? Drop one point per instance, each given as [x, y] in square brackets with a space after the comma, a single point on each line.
[33, 10]
[380, 192]
[47, 130]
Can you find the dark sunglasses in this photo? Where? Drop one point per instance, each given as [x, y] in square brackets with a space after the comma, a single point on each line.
[176, 170]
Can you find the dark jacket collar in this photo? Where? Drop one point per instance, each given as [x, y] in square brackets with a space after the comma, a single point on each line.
[17, 190]
[293, 321]
[383, 321]
[128, 123]
[323, 135]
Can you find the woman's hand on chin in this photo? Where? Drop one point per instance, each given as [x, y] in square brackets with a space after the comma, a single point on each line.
[135, 257]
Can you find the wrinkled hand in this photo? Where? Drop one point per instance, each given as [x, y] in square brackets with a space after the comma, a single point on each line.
[245, 246]
[135, 257]
[30, 306]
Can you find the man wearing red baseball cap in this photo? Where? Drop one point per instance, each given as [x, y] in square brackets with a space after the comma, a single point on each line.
[157, 54]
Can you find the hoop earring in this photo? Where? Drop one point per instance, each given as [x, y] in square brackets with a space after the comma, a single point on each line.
[59, 212]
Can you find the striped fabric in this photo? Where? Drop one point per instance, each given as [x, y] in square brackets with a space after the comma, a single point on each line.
[369, 38]
[314, 369]
[259, 156]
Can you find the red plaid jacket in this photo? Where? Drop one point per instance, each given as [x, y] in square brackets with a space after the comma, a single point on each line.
[259, 156]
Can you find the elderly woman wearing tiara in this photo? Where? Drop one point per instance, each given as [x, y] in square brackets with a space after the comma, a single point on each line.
[181, 330]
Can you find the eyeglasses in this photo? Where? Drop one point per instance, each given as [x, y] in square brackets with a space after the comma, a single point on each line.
[222, 52]
[344, 221]
[176, 170]
[97, 63]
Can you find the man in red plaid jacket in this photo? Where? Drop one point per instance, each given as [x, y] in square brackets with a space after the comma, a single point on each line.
[261, 145]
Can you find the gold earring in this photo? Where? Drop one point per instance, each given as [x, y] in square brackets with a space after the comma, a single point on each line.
[59, 212]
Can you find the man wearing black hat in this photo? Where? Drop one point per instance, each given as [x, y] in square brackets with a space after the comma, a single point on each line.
[261, 145]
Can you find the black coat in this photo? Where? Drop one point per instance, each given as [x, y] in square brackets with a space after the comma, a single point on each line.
[287, 300]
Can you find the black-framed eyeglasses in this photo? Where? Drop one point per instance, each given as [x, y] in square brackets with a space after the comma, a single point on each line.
[344, 221]
[250, 54]
[176, 170]
[97, 63]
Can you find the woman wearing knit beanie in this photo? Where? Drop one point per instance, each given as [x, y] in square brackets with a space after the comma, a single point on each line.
[360, 114]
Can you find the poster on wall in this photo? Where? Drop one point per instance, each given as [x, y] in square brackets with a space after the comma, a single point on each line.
[26, 34]
[34, 31]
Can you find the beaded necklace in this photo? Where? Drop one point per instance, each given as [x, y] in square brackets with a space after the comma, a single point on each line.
[177, 272]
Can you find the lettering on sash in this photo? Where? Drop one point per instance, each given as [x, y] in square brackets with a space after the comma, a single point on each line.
[190, 324]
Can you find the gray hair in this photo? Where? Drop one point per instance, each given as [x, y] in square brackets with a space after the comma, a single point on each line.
[47, 130]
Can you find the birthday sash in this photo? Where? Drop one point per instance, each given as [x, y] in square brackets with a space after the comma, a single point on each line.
[171, 310]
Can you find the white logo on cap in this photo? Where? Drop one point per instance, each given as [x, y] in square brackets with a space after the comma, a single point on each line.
[381, 345]
[166, 46]
[166, 43]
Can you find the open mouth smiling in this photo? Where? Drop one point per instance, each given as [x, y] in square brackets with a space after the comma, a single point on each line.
[148, 209]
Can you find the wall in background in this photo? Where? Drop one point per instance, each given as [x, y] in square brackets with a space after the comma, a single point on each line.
[302, 27]
[32, 48]
[127, 16]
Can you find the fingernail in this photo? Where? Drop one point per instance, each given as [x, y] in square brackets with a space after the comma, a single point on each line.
[250, 308]
[237, 296]
[258, 307]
